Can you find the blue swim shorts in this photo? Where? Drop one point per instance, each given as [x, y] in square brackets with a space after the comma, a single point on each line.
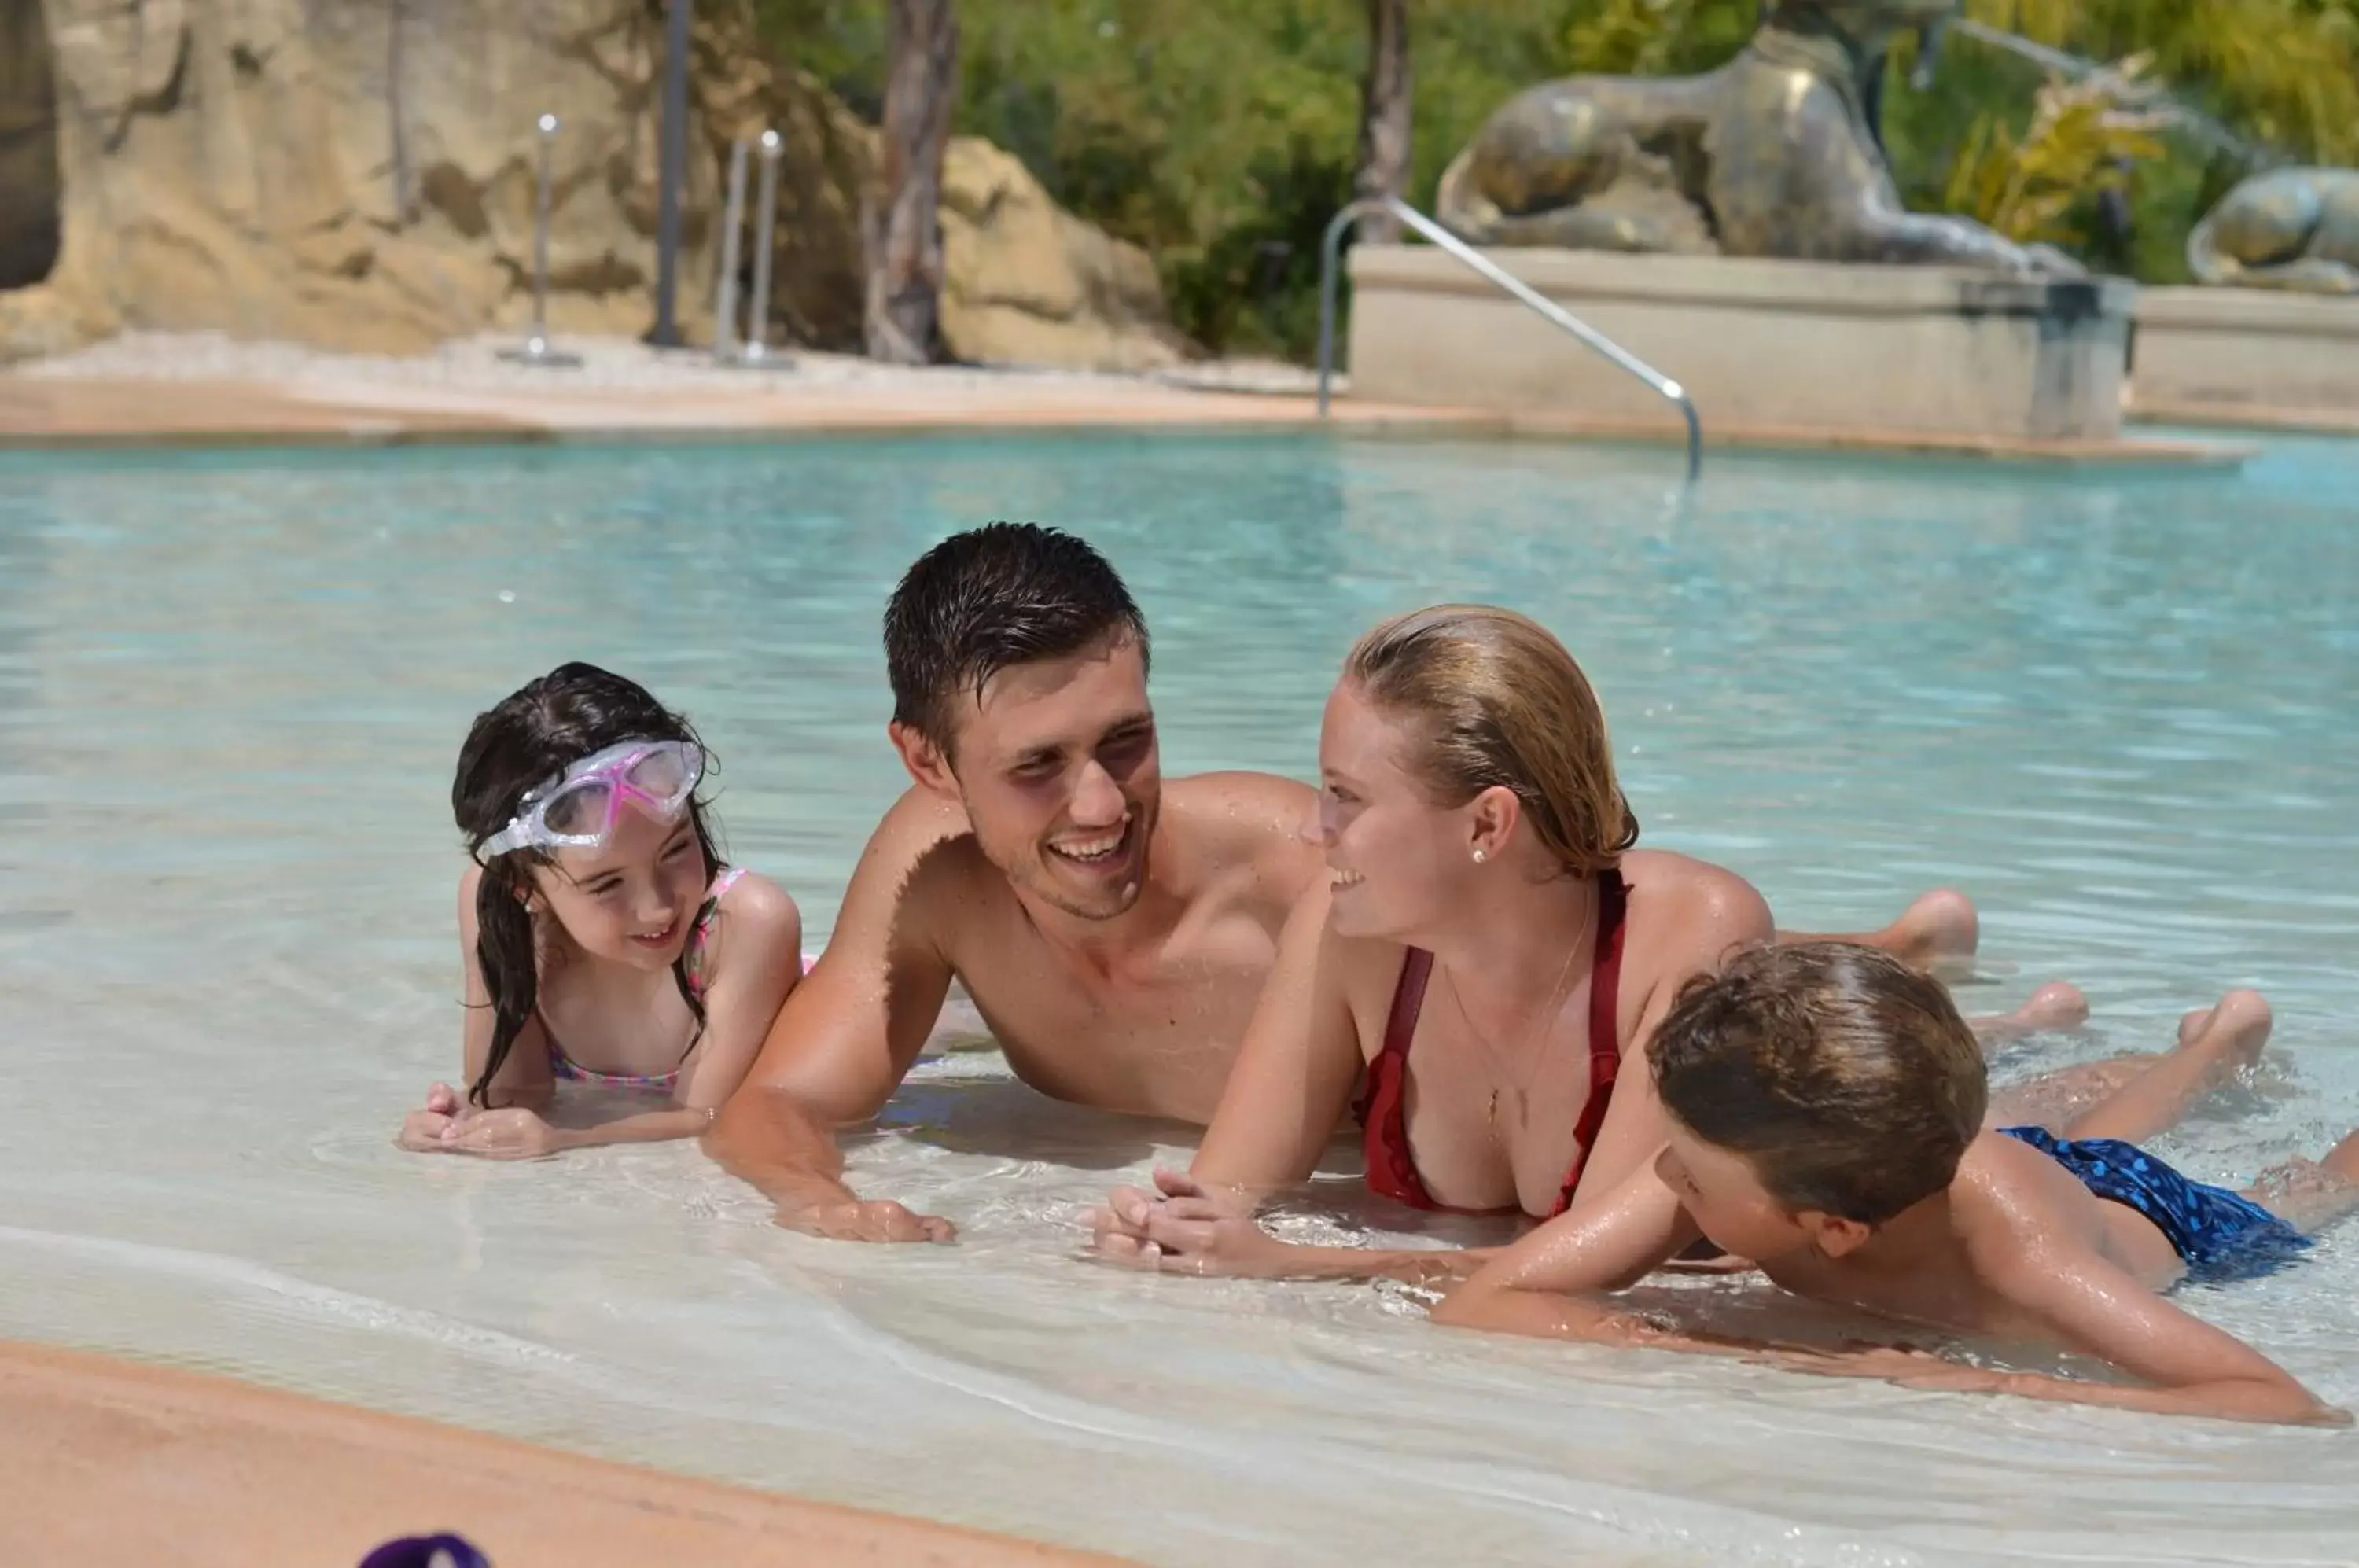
[2220, 1235]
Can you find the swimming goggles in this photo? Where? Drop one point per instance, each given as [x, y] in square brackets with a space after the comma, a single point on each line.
[577, 809]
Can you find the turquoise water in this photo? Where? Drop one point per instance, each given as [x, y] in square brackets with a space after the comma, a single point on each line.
[2115, 708]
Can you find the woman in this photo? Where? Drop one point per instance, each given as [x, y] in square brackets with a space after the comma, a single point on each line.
[1489, 959]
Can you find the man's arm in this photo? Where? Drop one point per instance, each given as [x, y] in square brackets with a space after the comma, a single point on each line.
[848, 1035]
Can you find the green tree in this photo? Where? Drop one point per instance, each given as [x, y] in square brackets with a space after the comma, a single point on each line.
[1222, 135]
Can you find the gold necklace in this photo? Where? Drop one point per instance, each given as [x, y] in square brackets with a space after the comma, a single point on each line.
[1548, 1023]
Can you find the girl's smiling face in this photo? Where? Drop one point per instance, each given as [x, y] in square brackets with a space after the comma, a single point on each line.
[635, 900]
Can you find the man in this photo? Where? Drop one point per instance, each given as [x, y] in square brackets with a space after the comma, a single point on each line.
[1112, 931]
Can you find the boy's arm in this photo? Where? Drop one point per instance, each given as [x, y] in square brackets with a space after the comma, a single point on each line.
[1546, 1285]
[2096, 1306]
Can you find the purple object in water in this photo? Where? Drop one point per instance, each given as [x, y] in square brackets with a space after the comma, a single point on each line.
[427, 1551]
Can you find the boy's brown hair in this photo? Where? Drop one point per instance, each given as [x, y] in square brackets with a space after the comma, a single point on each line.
[1846, 1079]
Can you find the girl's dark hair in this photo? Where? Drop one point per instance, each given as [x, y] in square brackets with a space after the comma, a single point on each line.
[531, 738]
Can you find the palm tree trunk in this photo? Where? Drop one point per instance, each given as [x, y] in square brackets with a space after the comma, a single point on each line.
[1384, 117]
[901, 223]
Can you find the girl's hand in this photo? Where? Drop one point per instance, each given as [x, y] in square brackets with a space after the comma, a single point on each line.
[422, 1131]
[513, 1133]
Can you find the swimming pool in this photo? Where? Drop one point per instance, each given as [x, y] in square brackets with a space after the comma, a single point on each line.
[2116, 708]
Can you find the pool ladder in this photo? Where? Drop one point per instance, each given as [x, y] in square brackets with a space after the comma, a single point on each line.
[1330, 248]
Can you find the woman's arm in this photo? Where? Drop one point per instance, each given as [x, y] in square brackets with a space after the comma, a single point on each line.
[1285, 1094]
[1183, 1228]
[1296, 1066]
[1689, 927]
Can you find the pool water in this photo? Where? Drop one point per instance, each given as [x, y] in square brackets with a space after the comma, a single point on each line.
[2116, 708]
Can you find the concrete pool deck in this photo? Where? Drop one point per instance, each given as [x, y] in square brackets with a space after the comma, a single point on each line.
[107, 1461]
[157, 390]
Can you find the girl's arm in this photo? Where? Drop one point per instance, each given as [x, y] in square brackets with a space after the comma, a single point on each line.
[755, 961]
[524, 1079]
[751, 964]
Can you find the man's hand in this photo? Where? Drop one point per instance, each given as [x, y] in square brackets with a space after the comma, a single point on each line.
[881, 1220]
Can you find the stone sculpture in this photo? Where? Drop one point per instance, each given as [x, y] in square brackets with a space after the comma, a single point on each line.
[1778, 153]
[2295, 229]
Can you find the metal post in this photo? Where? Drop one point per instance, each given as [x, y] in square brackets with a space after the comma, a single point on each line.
[675, 174]
[536, 349]
[1331, 250]
[757, 326]
[1441, 239]
[725, 328]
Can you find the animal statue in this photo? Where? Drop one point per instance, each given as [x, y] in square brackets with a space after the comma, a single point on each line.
[2289, 228]
[1777, 153]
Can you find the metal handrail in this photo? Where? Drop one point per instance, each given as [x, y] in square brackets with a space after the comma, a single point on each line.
[1330, 248]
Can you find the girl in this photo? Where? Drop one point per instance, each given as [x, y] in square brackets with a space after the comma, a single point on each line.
[604, 940]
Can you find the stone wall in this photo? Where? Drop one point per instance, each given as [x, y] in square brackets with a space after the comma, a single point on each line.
[29, 197]
[359, 174]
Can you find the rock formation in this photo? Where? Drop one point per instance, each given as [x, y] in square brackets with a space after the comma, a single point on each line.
[359, 174]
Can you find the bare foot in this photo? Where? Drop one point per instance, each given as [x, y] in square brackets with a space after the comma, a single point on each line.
[1939, 931]
[2230, 1031]
[2056, 1006]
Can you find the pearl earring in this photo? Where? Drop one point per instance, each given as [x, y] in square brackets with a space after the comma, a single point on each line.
[1479, 857]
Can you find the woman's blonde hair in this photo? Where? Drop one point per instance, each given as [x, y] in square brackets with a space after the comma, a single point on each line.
[1502, 705]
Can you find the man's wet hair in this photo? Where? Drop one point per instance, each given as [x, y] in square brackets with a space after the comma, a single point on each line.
[992, 598]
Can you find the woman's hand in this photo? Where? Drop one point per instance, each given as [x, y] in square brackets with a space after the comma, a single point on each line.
[1182, 1227]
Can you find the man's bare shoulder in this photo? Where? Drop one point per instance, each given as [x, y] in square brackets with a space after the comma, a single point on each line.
[1249, 826]
[923, 853]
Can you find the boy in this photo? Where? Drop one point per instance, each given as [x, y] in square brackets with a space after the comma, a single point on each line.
[1826, 1106]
